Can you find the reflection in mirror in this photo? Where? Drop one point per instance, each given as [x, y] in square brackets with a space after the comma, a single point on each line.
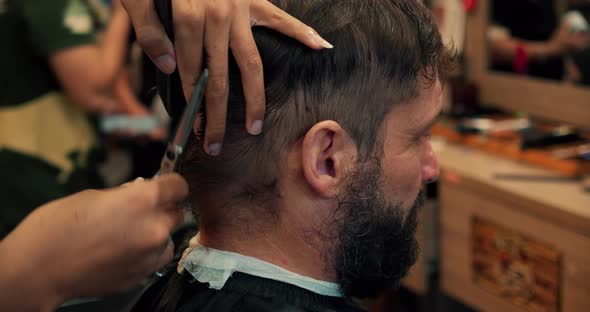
[547, 39]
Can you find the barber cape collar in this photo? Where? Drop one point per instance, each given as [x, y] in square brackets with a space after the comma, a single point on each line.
[209, 265]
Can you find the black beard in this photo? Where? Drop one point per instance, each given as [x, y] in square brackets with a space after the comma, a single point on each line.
[376, 243]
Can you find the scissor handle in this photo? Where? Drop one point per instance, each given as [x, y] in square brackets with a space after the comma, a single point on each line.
[170, 160]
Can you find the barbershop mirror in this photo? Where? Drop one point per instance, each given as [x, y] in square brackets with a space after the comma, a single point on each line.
[504, 46]
[546, 39]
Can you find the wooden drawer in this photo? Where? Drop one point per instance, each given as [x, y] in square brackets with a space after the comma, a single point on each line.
[564, 253]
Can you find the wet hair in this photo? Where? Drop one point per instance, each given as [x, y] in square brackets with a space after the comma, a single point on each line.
[385, 53]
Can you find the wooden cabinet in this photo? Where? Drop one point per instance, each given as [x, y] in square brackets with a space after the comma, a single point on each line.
[512, 245]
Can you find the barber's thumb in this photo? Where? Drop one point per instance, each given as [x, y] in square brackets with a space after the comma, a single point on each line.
[157, 46]
[137, 180]
[165, 63]
[151, 35]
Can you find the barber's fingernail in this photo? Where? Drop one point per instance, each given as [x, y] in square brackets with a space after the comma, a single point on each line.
[319, 40]
[326, 44]
[131, 182]
[214, 149]
[256, 127]
[166, 63]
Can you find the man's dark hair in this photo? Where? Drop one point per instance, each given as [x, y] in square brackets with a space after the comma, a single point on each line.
[385, 53]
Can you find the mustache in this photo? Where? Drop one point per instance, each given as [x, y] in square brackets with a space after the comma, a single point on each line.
[415, 208]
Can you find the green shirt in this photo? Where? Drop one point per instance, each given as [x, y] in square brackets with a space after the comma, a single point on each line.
[31, 31]
[47, 144]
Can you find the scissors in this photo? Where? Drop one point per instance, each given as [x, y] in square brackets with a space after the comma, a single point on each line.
[174, 152]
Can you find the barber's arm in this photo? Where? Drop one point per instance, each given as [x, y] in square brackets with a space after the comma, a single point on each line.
[89, 244]
[216, 26]
[88, 72]
[128, 101]
[129, 104]
[504, 46]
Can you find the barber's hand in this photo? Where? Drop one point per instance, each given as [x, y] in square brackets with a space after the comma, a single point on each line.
[216, 25]
[97, 242]
[565, 41]
[578, 41]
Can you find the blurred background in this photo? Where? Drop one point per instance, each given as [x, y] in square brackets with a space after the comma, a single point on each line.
[78, 106]
[506, 227]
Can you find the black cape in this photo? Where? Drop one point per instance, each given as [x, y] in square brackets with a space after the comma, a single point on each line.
[242, 292]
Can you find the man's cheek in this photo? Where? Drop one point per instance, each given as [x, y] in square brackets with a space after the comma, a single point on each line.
[401, 185]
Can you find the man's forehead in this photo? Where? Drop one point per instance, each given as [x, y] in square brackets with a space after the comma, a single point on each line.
[421, 110]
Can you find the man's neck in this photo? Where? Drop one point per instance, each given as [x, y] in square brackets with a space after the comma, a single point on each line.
[289, 242]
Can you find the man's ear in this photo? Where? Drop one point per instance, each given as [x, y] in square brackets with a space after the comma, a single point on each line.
[327, 154]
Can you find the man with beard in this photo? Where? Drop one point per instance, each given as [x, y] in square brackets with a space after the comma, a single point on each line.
[320, 207]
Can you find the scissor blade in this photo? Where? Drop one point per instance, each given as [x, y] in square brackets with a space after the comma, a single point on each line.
[188, 117]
